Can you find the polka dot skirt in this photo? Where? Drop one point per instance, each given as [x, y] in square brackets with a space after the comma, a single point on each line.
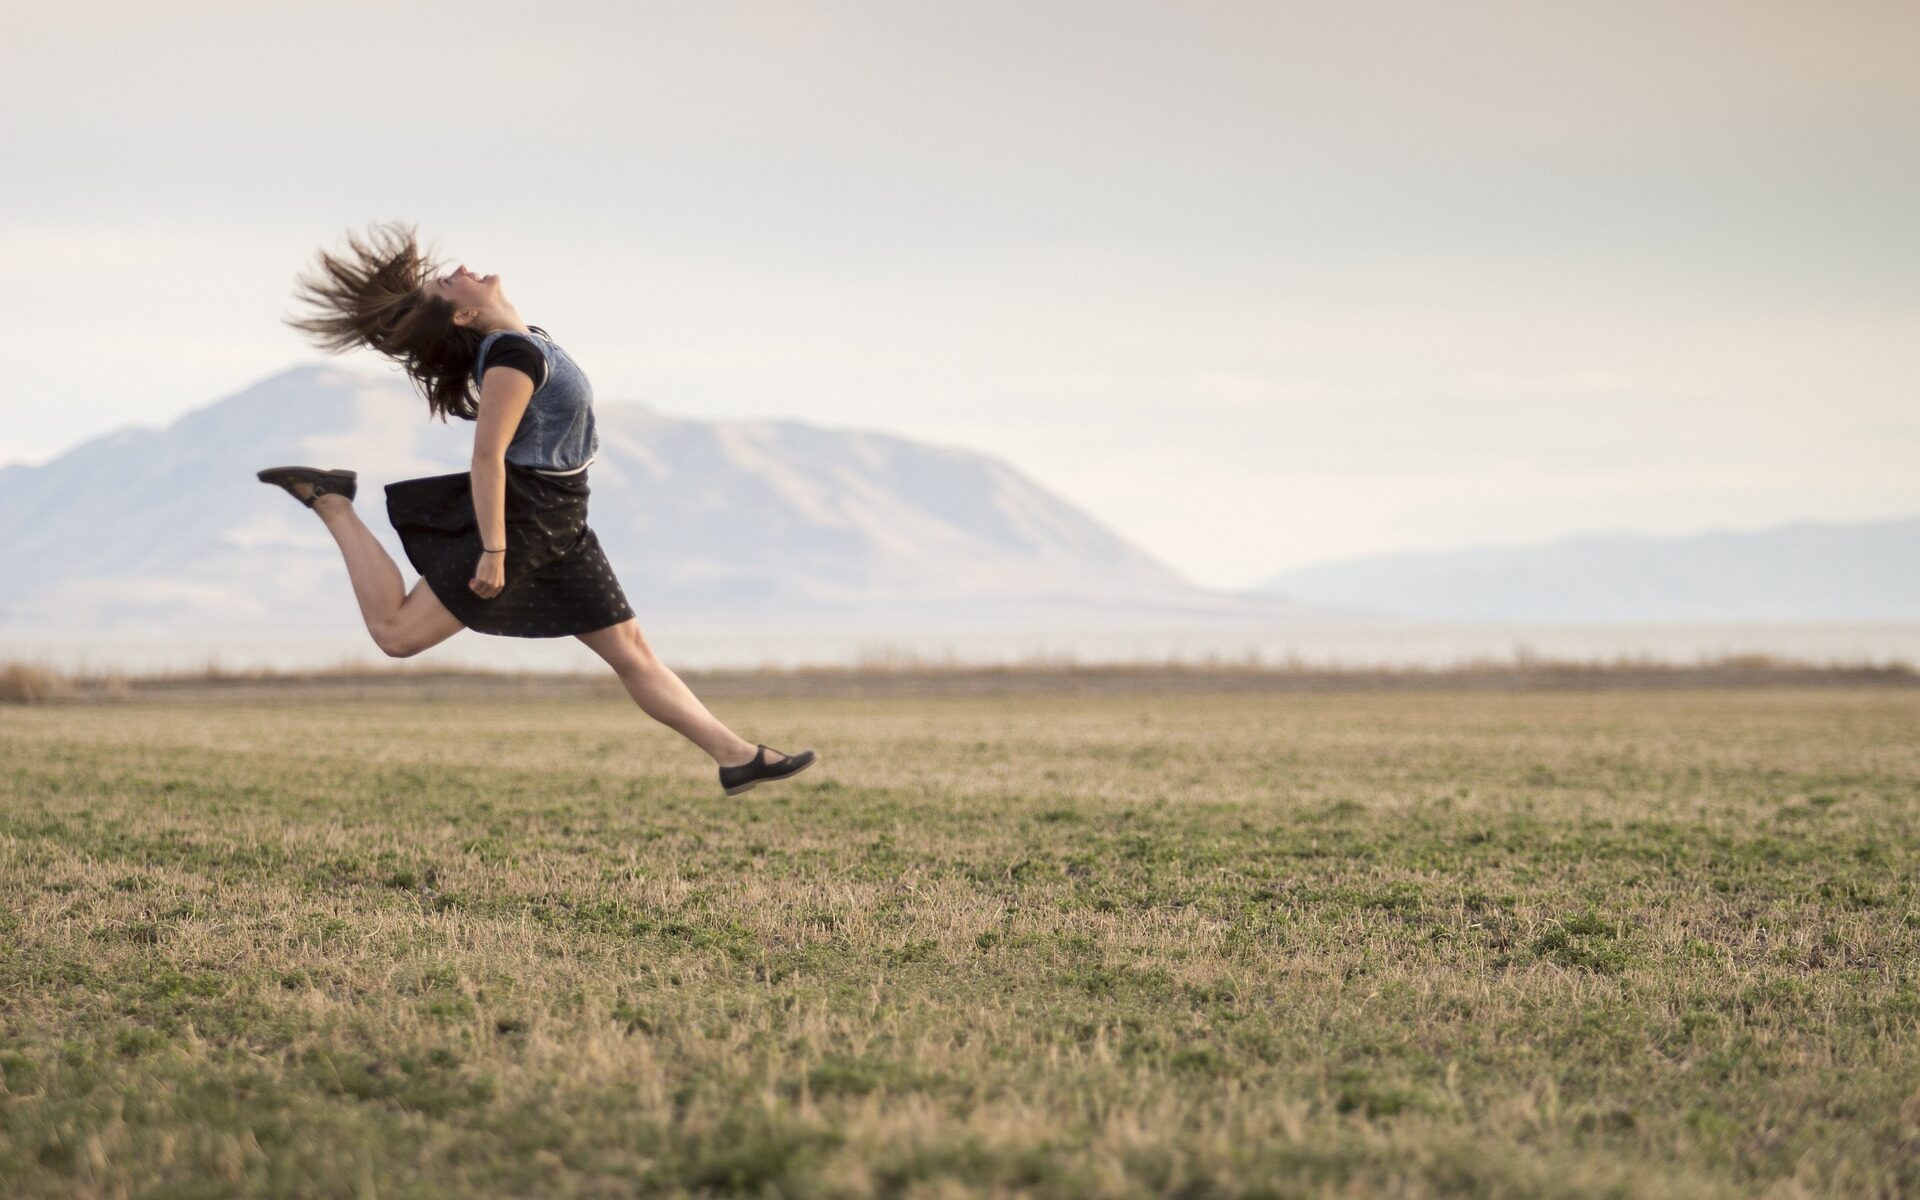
[559, 582]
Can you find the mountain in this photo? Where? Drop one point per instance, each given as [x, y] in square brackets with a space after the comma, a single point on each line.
[1807, 571]
[167, 529]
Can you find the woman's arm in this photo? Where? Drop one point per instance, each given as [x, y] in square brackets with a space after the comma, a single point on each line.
[504, 395]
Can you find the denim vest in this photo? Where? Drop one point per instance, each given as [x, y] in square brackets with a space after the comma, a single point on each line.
[556, 435]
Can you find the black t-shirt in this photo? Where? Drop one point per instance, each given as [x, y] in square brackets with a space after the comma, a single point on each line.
[515, 352]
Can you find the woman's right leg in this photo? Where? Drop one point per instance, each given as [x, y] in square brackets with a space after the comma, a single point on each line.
[665, 696]
[402, 623]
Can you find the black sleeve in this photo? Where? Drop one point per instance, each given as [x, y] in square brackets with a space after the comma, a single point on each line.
[515, 352]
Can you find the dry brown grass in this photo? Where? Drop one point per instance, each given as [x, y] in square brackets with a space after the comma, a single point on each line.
[24, 683]
[901, 673]
[1553, 944]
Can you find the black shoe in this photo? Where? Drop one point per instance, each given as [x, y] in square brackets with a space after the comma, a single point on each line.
[325, 483]
[738, 779]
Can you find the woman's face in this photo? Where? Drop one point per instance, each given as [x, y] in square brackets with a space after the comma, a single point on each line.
[465, 291]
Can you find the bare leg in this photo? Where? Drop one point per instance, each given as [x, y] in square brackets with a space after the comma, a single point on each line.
[402, 623]
[666, 697]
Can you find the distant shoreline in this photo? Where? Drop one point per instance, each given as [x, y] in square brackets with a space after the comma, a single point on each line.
[26, 683]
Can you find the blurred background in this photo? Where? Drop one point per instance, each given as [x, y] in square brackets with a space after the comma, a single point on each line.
[1368, 333]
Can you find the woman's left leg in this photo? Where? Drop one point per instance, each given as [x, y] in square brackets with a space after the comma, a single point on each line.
[401, 623]
[666, 697]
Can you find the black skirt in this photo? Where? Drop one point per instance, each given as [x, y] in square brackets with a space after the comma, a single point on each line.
[559, 582]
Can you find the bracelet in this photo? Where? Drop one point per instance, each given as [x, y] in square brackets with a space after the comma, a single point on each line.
[501, 550]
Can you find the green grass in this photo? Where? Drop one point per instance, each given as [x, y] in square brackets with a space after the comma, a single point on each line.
[1632, 944]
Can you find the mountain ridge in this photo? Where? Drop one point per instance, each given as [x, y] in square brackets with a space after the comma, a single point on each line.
[1805, 569]
[765, 518]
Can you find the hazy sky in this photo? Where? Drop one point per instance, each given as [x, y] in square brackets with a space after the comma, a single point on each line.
[1256, 284]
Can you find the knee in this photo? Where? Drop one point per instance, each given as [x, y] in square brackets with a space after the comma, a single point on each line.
[636, 656]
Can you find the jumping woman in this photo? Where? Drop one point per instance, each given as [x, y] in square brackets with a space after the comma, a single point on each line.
[504, 548]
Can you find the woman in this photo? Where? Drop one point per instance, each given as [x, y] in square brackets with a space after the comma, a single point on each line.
[504, 548]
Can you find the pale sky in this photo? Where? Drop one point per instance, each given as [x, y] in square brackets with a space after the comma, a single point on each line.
[1256, 284]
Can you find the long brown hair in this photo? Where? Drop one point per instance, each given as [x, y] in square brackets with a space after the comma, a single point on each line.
[372, 296]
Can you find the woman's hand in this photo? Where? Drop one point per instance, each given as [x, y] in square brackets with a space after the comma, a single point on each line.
[489, 575]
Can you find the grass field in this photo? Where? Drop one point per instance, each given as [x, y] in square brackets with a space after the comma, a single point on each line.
[1557, 944]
